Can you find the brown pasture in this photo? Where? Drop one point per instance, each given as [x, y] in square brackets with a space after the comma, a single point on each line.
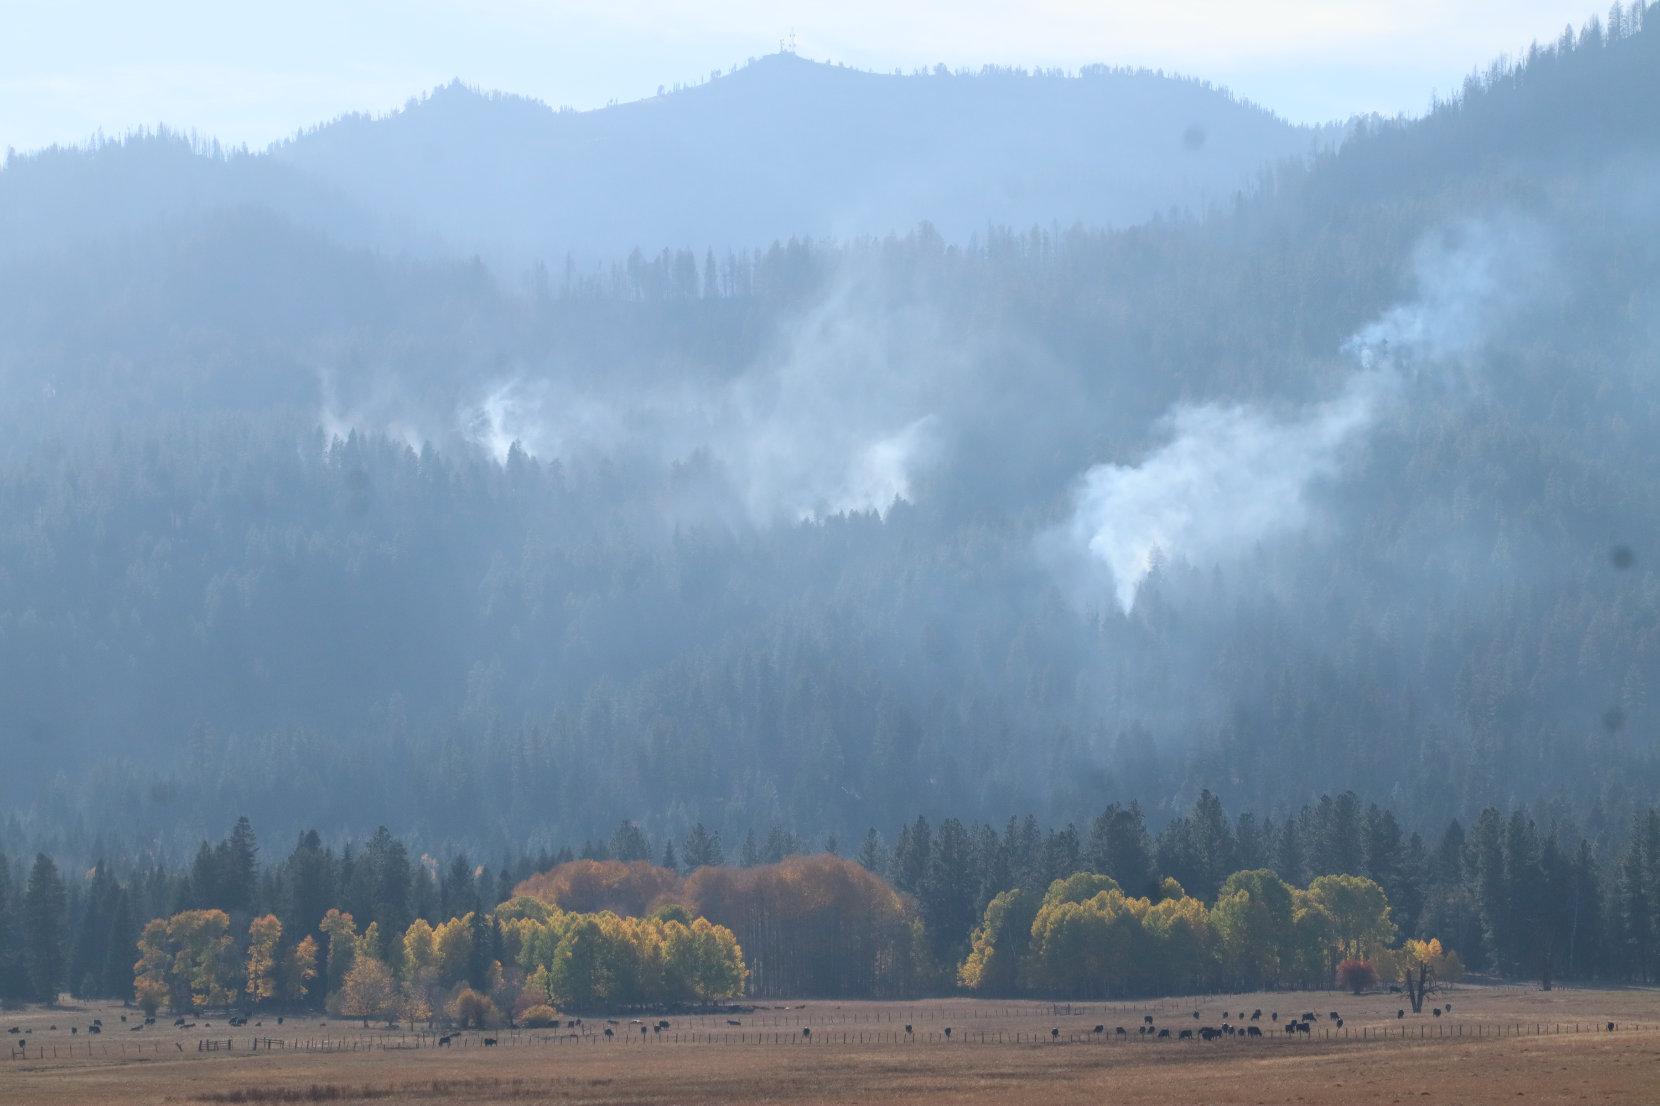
[1498, 1044]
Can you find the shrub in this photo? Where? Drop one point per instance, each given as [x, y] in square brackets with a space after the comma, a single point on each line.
[151, 993]
[1357, 976]
[471, 1010]
[539, 1017]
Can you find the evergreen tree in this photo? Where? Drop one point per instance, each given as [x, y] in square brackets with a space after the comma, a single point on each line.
[702, 849]
[45, 923]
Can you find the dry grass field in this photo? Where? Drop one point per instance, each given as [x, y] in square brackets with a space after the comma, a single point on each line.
[1498, 1044]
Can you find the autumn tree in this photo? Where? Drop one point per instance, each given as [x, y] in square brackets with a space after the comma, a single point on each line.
[299, 969]
[192, 958]
[264, 937]
[369, 991]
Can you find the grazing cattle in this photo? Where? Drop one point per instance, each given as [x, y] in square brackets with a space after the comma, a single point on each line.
[608, 1032]
[1195, 1015]
[1399, 1014]
[1304, 1027]
[1164, 1033]
[948, 1031]
[1308, 1015]
[1291, 1027]
[1147, 1019]
[73, 1030]
[1436, 1011]
[1098, 1030]
[907, 1031]
[611, 1021]
[1610, 1027]
[1054, 1034]
[663, 1023]
[1256, 1014]
[489, 1042]
[643, 1031]
[123, 1017]
[1275, 1016]
[1340, 1023]
[1209, 1034]
[805, 1032]
[1332, 1016]
[1119, 1032]
[135, 1028]
[152, 1021]
[443, 1042]
[1185, 1035]
[94, 1029]
[1142, 1030]
[1253, 1031]
[1448, 1008]
[14, 1029]
[734, 1021]
[279, 1019]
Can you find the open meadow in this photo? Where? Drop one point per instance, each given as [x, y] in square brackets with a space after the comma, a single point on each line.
[1497, 1044]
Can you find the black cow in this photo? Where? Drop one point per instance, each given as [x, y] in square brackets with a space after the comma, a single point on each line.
[1332, 1016]
[805, 1032]
[1256, 1014]
[443, 1042]
[1119, 1032]
[1147, 1019]
[1098, 1030]
[608, 1032]
[1340, 1023]
[489, 1042]
[1185, 1035]
[1436, 1011]
[907, 1031]
[1399, 1014]
[1164, 1033]
[734, 1021]
[948, 1031]
[1054, 1034]
[1195, 1015]
[1209, 1034]
[1275, 1016]
[1253, 1031]
[1610, 1027]
[1291, 1027]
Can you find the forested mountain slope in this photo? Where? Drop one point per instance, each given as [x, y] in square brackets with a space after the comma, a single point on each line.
[1349, 485]
[786, 147]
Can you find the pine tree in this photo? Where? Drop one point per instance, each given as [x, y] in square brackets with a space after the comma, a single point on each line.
[702, 849]
[45, 921]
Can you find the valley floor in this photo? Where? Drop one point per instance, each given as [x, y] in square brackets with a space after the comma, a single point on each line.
[1499, 1044]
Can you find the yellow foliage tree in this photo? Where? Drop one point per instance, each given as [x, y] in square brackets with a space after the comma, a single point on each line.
[264, 935]
[369, 991]
[299, 969]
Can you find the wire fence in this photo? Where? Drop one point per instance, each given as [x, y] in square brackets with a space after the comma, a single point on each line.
[804, 1037]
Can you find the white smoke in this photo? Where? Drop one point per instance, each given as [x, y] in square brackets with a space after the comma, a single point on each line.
[1228, 478]
[838, 418]
[1231, 477]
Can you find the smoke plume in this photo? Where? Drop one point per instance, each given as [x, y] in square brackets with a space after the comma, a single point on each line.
[1231, 477]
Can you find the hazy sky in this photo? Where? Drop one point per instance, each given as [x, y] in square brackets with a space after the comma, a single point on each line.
[249, 71]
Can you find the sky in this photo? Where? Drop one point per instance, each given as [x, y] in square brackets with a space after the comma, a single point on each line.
[250, 72]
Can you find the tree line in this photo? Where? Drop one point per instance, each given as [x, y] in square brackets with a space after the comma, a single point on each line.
[926, 908]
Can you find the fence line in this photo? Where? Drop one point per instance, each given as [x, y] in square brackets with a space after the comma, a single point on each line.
[521, 1038]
